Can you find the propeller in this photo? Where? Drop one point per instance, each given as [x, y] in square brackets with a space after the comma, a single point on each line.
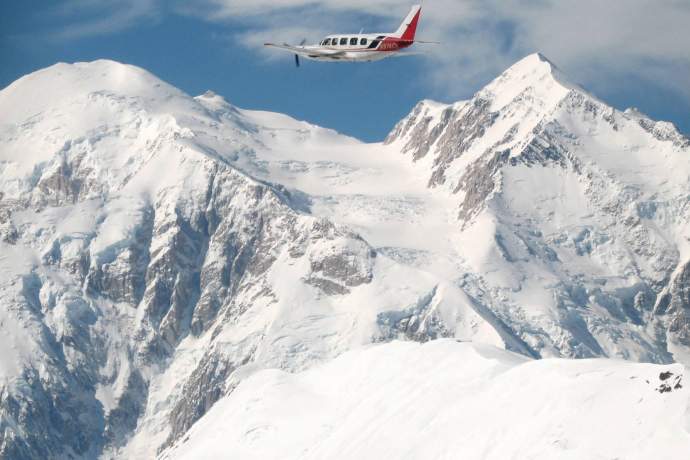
[297, 55]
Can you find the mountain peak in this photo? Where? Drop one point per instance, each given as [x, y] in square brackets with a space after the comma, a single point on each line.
[535, 59]
[538, 65]
[215, 102]
[526, 93]
[62, 84]
[534, 73]
[101, 72]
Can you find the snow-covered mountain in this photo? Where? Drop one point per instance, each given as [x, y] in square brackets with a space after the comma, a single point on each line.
[573, 214]
[445, 399]
[156, 250]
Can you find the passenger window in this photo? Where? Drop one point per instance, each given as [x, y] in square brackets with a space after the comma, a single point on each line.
[353, 41]
[363, 42]
[343, 41]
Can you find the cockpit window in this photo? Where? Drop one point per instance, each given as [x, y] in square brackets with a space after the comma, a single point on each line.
[353, 41]
[375, 43]
[326, 42]
[363, 42]
[343, 41]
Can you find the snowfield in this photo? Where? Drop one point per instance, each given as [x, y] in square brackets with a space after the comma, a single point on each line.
[445, 399]
[178, 273]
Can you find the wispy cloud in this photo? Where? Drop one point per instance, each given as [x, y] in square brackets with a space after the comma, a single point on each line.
[85, 18]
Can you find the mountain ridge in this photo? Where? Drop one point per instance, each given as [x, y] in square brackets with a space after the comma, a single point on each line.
[449, 399]
[158, 249]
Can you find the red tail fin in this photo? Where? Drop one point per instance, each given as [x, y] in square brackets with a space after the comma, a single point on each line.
[408, 28]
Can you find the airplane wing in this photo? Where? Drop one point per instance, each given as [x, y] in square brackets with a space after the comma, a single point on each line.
[303, 51]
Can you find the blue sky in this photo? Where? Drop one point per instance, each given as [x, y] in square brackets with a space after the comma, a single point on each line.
[633, 53]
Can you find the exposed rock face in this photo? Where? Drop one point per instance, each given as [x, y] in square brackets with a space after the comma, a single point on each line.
[422, 129]
[675, 303]
[421, 322]
[205, 386]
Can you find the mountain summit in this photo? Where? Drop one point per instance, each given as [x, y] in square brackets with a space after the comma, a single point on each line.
[579, 199]
[157, 250]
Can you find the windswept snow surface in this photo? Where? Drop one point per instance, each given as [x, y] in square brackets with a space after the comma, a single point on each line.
[445, 399]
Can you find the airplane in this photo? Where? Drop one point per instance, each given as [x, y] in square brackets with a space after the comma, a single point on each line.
[360, 47]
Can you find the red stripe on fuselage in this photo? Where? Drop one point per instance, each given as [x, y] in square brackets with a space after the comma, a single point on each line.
[394, 44]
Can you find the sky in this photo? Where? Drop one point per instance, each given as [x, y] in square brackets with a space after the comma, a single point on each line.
[630, 53]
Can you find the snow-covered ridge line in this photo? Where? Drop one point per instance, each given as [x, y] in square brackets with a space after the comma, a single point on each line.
[527, 95]
[449, 399]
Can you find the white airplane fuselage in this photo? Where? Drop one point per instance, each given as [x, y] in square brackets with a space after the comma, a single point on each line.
[359, 47]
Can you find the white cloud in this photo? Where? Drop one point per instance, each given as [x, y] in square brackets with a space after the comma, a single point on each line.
[591, 40]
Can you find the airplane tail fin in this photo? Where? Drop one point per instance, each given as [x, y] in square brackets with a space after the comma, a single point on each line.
[408, 28]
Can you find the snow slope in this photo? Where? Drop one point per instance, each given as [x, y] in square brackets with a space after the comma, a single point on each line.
[445, 399]
[158, 249]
